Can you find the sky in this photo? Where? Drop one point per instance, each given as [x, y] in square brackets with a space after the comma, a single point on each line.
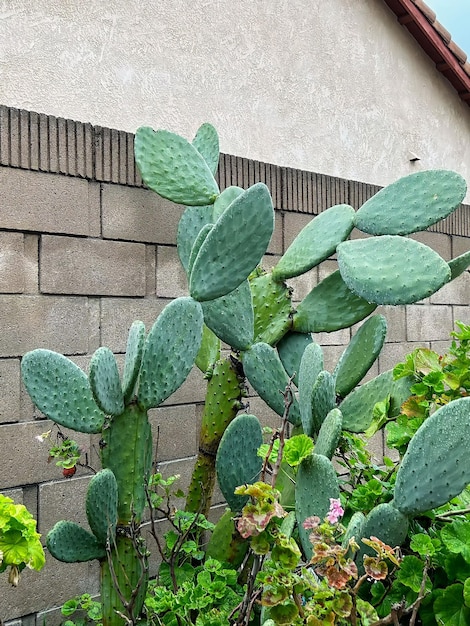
[455, 16]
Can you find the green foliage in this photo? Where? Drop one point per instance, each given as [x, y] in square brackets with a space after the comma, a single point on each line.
[20, 544]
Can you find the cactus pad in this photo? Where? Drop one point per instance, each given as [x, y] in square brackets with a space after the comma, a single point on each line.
[226, 544]
[70, 543]
[237, 460]
[170, 351]
[192, 221]
[412, 203]
[315, 242]
[134, 351]
[201, 237]
[316, 484]
[265, 372]
[291, 349]
[209, 352]
[224, 200]
[361, 353]
[231, 317]
[357, 408]
[391, 269]
[105, 382]
[206, 143]
[174, 168]
[311, 365]
[272, 307]
[329, 434]
[330, 306]
[459, 264]
[61, 390]
[323, 399]
[101, 505]
[435, 467]
[235, 245]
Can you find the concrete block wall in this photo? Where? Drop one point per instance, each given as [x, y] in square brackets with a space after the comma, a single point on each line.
[84, 251]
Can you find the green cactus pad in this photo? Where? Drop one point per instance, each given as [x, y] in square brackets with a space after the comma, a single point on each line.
[357, 408]
[191, 222]
[127, 450]
[231, 317]
[224, 200]
[329, 434]
[201, 237]
[311, 365]
[355, 528]
[226, 544]
[134, 351]
[316, 484]
[237, 460]
[323, 399]
[459, 264]
[70, 543]
[291, 349]
[361, 353]
[209, 352]
[264, 370]
[61, 390]
[170, 350]
[206, 143]
[174, 168]
[435, 467]
[234, 246]
[272, 306]
[385, 523]
[101, 505]
[105, 382]
[316, 242]
[330, 306]
[391, 269]
[412, 203]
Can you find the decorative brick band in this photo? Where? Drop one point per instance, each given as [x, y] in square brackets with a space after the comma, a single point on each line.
[35, 141]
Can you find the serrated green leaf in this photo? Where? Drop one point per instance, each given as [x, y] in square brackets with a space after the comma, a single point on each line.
[450, 608]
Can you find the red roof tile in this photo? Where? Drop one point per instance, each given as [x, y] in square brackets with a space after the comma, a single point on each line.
[436, 41]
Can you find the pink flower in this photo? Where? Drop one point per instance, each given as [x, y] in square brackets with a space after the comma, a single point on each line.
[336, 511]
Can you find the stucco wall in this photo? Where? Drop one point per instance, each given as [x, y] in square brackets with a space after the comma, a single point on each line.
[337, 87]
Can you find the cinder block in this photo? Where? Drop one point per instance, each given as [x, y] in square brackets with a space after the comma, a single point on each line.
[394, 353]
[267, 417]
[92, 266]
[150, 270]
[303, 284]
[455, 292]
[35, 201]
[192, 390]
[117, 315]
[175, 430]
[23, 459]
[439, 242]
[12, 263]
[460, 314]
[138, 214]
[171, 277]
[441, 347]
[15, 494]
[336, 338]
[331, 356]
[10, 387]
[31, 263]
[41, 591]
[56, 323]
[428, 322]
[396, 322]
[293, 224]
[460, 245]
[62, 500]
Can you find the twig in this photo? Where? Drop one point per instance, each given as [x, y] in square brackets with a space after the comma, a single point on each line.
[452, 513]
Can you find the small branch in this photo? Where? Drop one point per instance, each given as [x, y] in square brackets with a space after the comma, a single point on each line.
[443, 516]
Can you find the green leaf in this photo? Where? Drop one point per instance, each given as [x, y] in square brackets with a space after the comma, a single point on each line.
[450, 608]
[466, 592]
[424, 545]
[296, 449]
[410, 573]
[456, 537]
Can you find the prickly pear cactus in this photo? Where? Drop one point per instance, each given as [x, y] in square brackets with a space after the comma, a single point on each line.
[155, 367]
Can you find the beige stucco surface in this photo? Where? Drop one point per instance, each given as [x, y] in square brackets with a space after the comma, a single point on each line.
[337, 87]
